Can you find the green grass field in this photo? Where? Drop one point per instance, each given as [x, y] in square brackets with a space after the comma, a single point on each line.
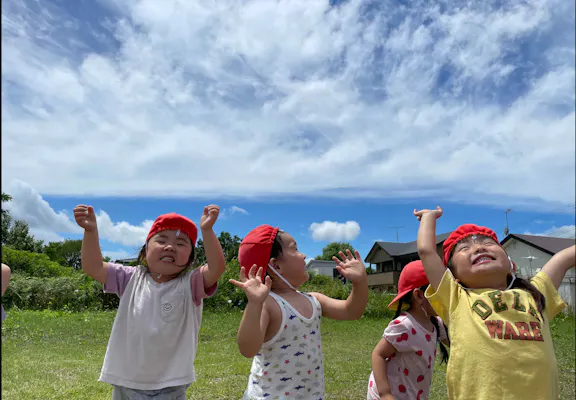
[58, 355]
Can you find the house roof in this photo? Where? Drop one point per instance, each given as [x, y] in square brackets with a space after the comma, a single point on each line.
[548, 244]
[320, 263]
[395, 249]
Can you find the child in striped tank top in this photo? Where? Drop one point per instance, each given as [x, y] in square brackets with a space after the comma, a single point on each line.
[280, 328]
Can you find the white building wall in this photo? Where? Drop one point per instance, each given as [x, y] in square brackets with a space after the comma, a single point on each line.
[526, 269]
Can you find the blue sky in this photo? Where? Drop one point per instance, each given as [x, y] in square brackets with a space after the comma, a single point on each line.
[332, 120]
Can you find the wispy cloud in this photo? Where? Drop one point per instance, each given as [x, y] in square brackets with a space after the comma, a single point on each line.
[566, 231]
[228, 212]
[445, 100]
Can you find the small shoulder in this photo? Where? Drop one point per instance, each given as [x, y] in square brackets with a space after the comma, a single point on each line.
[401, 321]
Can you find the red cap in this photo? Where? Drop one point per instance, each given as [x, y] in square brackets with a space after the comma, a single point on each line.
[173, 221]
[256, 247]
[462, 232]
[412, 277]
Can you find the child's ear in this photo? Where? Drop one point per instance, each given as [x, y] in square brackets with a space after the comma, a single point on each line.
[418, 294]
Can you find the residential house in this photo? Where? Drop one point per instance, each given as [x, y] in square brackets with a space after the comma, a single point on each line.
[126, 261]
[388, 259]
[324, 267]
[531, 253]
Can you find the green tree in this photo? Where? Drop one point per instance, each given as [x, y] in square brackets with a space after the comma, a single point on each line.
[16, 234]
[5, 198]
[5, 218]
[19, 238]
[67, 253]
[332, 249]
[230, 245]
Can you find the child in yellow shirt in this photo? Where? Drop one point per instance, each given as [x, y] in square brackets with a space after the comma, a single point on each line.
[501, 347]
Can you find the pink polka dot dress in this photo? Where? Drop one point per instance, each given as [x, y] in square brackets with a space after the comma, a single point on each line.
[410, 369]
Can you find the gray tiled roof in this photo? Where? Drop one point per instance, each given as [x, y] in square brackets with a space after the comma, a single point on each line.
[400, 249]
[549, 244]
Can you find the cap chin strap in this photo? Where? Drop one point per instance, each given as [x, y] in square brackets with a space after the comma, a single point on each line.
[283, 279]
[511, 273]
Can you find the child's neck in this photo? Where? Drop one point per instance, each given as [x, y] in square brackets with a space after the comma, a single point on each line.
[419, 315]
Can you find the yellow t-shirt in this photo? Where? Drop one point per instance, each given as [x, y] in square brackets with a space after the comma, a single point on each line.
[500, 345]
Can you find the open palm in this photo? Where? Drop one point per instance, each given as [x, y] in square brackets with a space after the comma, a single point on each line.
[256, 291]
[350, 266]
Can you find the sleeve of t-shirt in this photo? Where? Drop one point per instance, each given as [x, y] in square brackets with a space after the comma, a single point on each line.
[397, 333]
[197, 285]
[117, 278]
[554, 303]
[445, 299]
[442, 335]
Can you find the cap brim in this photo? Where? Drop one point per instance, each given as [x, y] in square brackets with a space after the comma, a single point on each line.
[394, 303]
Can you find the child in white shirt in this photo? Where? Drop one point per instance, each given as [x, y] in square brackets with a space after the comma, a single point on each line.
[153, 343]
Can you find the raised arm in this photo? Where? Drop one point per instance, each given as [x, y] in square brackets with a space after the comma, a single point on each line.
[256, 318]
[212, 247]
[559, 264]
[381, 352]
[352, 268]
[92, 262]
[433, 265]
[5, 277]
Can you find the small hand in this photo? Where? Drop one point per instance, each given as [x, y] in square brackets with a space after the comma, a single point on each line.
[209, 216]
[255, 290]
[419, 214]
[85, 217]
[350, 266]
[387, 396]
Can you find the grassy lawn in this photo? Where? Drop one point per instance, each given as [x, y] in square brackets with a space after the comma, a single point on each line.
[55, 355]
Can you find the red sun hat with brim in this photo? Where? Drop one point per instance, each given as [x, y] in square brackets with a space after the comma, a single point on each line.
[174, 222]
[412, 277]
[256, 247]
[462, 232]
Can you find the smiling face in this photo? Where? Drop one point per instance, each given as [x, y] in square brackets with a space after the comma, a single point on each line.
[480, 262]
[168, 253]
[290, 262]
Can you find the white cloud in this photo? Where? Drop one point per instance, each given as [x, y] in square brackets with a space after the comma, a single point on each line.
[49, 225]
[28, 205]
[122, 232]
[566, 231]
[228, 212]
[235, 209]
[347, 100]
[334, 231]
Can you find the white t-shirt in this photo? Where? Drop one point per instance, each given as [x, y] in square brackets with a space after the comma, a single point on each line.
[155, 332]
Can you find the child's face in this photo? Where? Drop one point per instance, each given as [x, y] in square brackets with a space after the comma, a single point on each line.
[291, 263]
[480, 262]
[168, 252]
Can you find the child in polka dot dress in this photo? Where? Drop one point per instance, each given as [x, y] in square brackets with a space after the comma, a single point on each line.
[403, 360]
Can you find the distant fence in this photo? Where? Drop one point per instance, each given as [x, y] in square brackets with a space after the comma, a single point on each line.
[567, 292]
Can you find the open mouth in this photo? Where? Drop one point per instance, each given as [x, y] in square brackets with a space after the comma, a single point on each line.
[167, 259]
[482, 259]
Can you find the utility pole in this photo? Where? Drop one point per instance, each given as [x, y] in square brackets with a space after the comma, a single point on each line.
[506, 230]
[396, 227]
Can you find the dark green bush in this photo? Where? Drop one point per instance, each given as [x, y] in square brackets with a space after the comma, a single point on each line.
[33, 264]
